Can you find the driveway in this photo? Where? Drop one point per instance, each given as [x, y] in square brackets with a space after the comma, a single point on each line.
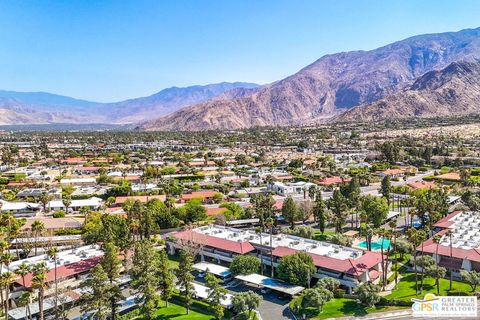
[271, 307]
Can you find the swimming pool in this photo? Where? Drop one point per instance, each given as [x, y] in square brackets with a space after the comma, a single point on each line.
[377, 245]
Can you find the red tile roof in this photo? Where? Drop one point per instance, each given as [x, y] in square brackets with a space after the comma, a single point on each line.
[64, 271]
[445, 221]
[390, 172]
[223, 244]
[143, 199]
[422, 184]
[215, 211]
[350, 266]
[199, 194]
[333, 180]
[430, 246]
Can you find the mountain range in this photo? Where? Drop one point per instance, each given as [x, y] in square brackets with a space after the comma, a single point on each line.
[454, 90]
[330, 85]
[44, 108]
[425, 75]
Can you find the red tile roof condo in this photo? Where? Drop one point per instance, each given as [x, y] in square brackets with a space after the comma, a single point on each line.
[463, 244]
[326, 256]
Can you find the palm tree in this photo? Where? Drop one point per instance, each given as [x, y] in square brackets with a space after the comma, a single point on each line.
[39, 283]
[381, 233]
[259, 231]
[67, 201]
[84, 211]
[53, 254]
[449, 234]
[44, 200]
[37, 228]
[393, 225]
[22, 271]
[436, 238]
[269, 224]
[6, 280]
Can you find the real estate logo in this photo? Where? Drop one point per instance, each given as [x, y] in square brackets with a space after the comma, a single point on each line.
[445, 306]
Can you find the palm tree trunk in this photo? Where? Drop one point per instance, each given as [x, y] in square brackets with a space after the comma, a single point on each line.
[56, 290]
[40, 303]
[416, 273]
[7, 293]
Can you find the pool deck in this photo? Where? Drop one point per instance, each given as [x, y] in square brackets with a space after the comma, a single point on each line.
[375, 240]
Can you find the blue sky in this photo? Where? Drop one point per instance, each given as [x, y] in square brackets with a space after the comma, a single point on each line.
[112, 50]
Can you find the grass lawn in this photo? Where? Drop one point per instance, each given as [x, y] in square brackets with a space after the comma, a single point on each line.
[406, 288]
[344, 307]
[173, 261]
[199, 310]
[322, 237]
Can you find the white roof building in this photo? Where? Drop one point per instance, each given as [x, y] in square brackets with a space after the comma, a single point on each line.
[91, 203]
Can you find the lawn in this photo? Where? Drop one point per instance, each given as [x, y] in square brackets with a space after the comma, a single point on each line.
[199, 310]
[344, 307]
[406, 288]
[173, 261]
[322, 237]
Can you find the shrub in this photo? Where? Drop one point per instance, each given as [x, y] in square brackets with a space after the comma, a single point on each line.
[339, 293]
[59, 214]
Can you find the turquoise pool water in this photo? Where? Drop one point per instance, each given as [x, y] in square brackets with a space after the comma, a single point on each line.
[377, 245]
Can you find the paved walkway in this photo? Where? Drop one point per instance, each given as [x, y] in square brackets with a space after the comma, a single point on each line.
[397, 314]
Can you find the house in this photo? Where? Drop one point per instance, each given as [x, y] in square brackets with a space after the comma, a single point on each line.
[459, 249]
[20, 209]
[51, 225]
[221, 244]
[119, 201]
[330, 182]
[92, 203]
[392, 173]
[207, 196]
[422, 184]
[79, 181]
[290, 189]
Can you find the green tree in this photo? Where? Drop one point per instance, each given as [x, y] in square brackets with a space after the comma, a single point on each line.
[297, 268]
[316, 298]
[39, 283]
[331, 284]
[471, 277]
[22, 271]
[216, 294]
[165, 277]
[185, 278]
[97, 292]
[52, 253]
[245, 264]
[338, 206]
[37, 228]
[246, 301]
[368, 295]
[386, 188]
[144, 271]
[376, 209]
[111, 264]
[320, 211]
[290, 211]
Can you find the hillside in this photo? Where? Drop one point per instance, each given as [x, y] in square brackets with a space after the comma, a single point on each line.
[43, 107]
[330, 85]
[454, 90]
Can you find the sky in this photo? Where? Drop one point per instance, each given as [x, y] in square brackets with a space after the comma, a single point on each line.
[114, 50]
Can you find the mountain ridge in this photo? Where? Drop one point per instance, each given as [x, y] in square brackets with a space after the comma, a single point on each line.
[452, 90]
[329, 85]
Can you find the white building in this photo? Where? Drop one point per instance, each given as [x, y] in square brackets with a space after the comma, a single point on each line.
[93, 203]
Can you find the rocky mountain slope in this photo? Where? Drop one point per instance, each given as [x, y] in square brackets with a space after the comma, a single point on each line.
[451, 91]
[330, 85]
[43, 108]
